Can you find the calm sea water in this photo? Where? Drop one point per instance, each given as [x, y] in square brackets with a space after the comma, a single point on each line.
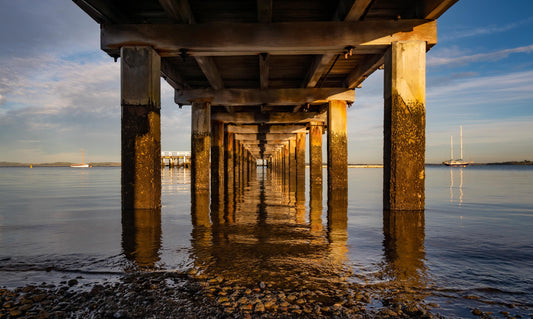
[472, 247]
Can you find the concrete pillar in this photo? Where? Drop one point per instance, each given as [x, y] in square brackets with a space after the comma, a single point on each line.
[141, 128]
[237, 169]
[300, 153]
[404, 126]
[315, 152]
[337, 146]
[228, 165]
[200, 146]
[217, 160]
[286, 168]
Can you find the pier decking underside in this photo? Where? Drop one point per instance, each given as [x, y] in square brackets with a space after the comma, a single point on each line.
[260, 75]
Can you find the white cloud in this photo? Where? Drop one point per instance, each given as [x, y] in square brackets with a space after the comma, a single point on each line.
[446, 59]
[485, 30]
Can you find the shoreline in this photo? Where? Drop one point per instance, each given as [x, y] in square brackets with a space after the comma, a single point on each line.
[181, 295]
[118, 164]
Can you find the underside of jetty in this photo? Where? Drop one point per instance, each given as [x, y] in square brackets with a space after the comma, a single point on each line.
[264, 78]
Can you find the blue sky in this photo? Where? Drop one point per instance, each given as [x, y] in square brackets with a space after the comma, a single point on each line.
[59, 93]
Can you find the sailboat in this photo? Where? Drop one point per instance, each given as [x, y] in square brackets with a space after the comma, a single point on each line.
[456, 162]
[82, 164]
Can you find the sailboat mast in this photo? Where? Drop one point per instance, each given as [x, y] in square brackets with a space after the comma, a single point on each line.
[461, 135]
[82, 156]
[451, 146]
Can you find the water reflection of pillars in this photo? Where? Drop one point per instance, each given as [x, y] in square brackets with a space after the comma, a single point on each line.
[403, 245]
[201, 238]
[300, 177]
[217, 169]
[141, 236]
[338, 224]
[141, 128]
[292, 171]
[404, 126]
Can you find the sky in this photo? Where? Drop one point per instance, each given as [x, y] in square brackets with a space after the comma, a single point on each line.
[59, 93]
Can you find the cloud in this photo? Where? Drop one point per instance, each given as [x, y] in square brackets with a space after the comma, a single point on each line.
[434, 61]
[485, 30]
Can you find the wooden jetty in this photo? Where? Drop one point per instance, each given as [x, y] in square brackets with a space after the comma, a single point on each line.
[260, 76]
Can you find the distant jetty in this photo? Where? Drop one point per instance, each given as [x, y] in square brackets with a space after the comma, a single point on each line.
[56, 164]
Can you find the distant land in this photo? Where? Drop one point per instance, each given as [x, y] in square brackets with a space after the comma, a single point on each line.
[57, 164]
[117, 164]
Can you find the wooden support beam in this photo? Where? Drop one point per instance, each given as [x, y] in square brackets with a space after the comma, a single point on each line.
[268, 128]
[248, 97]
[265, 137]
[435, 8]
[265, 142]
[363, 70]
[274, 117]
[264, 67]
[350, 10]
[269, 38]
[172, 77]
[178, 10]
[264, 11]
[210, 70]
[347, 10]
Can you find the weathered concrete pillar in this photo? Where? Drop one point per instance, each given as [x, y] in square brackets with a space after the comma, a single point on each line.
[300, 153]
[237, 170]
[404, 126]
[315, 152]
[300, 177]
[217, 160]
[337, 146]
[286, 168]
[228, 165]
[200, 146]
[141, 128]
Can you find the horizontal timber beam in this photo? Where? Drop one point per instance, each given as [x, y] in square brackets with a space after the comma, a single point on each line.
[265, 137]
[269, 128]
[247, 97]
[262, 142]
[272, 117]
[267, 37]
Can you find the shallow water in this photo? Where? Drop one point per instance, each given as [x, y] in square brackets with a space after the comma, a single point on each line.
[472, 247]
